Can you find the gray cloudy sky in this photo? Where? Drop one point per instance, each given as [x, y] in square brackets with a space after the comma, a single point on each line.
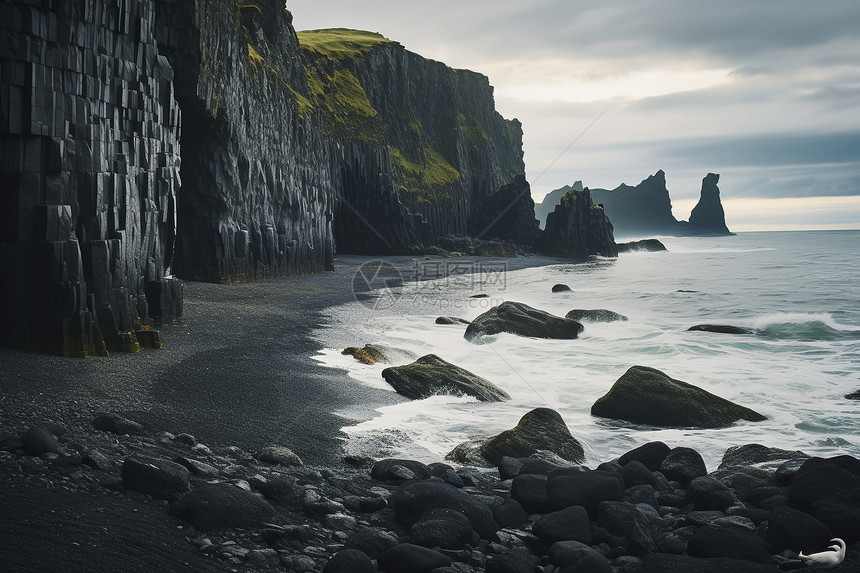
[764, 92]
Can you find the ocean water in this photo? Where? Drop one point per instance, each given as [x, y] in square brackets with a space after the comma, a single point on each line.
[799, 291]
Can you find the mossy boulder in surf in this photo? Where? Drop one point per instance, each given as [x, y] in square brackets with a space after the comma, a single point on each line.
[647, 396]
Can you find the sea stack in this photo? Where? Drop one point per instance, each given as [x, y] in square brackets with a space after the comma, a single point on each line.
[577, 228]
[708, 217]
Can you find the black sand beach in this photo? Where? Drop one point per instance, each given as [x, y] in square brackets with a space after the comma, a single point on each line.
[237, 371]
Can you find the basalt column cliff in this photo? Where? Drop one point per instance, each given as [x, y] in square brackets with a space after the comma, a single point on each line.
[89, 171]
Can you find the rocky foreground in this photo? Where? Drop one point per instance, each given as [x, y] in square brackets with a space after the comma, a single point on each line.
[655, 509]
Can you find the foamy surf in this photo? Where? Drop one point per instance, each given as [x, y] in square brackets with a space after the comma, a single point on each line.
[795, 369]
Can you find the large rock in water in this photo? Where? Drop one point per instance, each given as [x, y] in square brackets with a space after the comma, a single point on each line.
[522, 320]
[577, 229]
[708, 217]
[645, 245]
[647, 396]
[430, 375]
[540, 429]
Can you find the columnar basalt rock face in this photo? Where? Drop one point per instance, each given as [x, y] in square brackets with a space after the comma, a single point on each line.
[89, 169]
[577, 229]
[257, 170]
[433, 157]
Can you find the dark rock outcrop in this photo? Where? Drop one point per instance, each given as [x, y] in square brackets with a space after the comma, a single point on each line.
[577, 229]
[89, 140]
[561, 288]
[708, 216]
[551, 199]
[430, 375]
[647, 396]
[220, 506]
[370, 354]
[595, 315]
[683, 465]
[646, 245]
[413, 499]
[522, 320]
[540, 429]
[853, 395]
[721, 328]
[451, 320]
[651, 455]
[162, 479]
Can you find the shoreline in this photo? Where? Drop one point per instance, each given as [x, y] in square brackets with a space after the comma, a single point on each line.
[238, 375]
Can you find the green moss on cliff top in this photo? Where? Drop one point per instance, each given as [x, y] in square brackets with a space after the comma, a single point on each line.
[428, 179]
[335, 91]
[339, 43]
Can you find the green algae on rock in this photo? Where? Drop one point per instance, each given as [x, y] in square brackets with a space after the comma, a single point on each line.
[647, 396]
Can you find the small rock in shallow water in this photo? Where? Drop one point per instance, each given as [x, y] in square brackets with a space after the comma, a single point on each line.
[721, 328]
[448, 320]
[595, 315]
[561, 288]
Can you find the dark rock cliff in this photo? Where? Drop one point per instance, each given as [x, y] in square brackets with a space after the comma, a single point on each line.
[89, 171]
[708, 217]
[256, 168]
[577, 229]
[432, 157]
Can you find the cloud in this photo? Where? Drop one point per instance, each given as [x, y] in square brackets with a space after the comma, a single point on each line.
[773, 150]
[764, 92]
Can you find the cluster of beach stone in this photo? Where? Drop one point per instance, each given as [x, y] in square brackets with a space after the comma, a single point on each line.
[654, 509]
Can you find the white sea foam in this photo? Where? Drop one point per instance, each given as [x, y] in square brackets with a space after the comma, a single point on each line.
[797, 380]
